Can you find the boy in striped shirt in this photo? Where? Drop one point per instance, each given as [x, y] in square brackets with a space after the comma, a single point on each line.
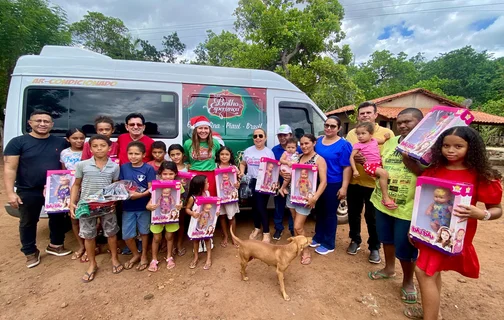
[91, 176]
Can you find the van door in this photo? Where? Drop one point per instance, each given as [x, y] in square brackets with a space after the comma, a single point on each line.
[301, 115]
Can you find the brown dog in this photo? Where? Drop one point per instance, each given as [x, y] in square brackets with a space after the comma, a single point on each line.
[272, 255]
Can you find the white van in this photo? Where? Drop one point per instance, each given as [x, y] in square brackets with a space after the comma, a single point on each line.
[75, 85]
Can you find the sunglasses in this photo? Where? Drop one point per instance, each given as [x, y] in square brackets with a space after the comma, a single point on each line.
[135, 125]
[260, 136]
[330, 126]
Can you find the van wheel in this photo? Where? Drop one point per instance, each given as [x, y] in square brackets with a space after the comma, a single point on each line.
[342, 218]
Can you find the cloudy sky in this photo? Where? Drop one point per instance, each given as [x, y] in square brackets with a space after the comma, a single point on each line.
[429, 26]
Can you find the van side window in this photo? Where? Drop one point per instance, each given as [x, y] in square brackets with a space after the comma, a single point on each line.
[301, 117]
[78, 107]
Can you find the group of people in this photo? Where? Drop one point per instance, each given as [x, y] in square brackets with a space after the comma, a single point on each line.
[347, 169]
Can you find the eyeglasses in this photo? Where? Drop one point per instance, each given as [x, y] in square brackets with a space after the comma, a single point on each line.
[260, 136]
[135, 125]
[331, 126]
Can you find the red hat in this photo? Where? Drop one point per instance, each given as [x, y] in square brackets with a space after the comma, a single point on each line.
[218, 137]
[199, 121]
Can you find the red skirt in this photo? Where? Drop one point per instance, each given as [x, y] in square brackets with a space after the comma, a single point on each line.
[212, 188]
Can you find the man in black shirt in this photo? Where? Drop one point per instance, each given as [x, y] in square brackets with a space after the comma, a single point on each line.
[26, 161]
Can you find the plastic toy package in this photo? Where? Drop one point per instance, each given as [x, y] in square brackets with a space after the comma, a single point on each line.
[57, 192]
[226, 179]
[103, 202]
[433, 221]
[303, 183]
[185, 178]
[419, 141]
[204, 227]
[267, 178]
[166, 194]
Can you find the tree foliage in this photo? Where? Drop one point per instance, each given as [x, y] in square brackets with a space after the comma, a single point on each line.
[172, 47]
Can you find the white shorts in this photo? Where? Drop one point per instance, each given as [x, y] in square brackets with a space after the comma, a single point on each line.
[229, 209]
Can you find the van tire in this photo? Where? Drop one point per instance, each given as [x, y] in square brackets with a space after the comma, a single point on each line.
[342, 219]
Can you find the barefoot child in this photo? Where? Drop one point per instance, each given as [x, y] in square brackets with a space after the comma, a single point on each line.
[176, 153]
[91, 176]
[167, 171]
[224, 159]
[198, 188]
[368, 147]
[459, 154]
[158, 154]
[135, 214]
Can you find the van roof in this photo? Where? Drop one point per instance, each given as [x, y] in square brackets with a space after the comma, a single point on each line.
[63, 61]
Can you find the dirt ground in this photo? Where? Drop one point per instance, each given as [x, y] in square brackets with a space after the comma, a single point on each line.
[332, 287]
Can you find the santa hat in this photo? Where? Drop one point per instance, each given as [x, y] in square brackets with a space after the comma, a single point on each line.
[199, 121]
[218, 137]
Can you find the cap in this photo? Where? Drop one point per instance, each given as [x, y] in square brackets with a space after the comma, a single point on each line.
[284, 129]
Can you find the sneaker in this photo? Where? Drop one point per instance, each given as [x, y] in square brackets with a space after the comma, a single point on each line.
[353, 248]
[266, 237]
[33, 260]
[277, 235]
[292, 233]
[254, 234]
[58, 251]
[323, 250]
[314, 244]
[374, 256]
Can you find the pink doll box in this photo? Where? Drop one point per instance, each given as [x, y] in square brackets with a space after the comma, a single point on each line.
[185, 178]
[433, 221]
[267, 178]
[167, 195]
[419, 141]
[204, 226]
[225, 179]
[303, 183]
[57, 192]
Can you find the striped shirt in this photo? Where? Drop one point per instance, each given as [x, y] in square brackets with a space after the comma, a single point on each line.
[94, 179]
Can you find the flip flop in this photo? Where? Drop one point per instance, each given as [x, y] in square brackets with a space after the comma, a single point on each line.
[379, 275]
[389, 205]
[207, 266]
[405, 294]
[414, 312]
[84, 258]
[181, 252]
[77, 255]
[90, 276]
[142, 266]
[193, 264]
[130, 264]
[306, 260]
[170, 263]
[153, 267]
[117, 269]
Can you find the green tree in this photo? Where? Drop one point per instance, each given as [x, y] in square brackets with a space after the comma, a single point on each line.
[172, 47]
[25, 27]
[146, 51]
[438, 86]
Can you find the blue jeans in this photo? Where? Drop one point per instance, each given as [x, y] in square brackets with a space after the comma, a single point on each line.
[326, 220]
[280, 203]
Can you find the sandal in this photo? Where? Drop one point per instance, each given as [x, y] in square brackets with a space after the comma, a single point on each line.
[142, 266]
[306, 260]
[90, 276]
[193, 264]
[414, 312]
[181, 251]
[207, 266]
[117, 269]
[84, 258]
[379, 275]
[130, 264]
[405, 295]
[153, 266]
[170, 263]
[78, 254]
[389, 205]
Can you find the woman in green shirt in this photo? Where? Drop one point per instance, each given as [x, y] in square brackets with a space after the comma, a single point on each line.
[201, 150]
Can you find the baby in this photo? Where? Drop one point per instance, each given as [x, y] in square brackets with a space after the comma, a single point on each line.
[440, 210]
[303, 184]
[63, 190]
[368, 147]
[166, 201]
[289, 156]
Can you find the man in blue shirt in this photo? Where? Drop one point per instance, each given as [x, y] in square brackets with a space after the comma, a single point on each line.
[284, 132]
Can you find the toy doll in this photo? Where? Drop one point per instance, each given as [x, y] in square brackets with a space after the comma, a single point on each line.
[303, 184]
[268, 176]
[440, 210]
[459, 238]
[204, 218]
[227, 186]
[166, 201]
[444, 237]
[63, 191]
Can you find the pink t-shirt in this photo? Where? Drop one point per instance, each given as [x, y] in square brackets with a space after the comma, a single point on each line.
[369, 150]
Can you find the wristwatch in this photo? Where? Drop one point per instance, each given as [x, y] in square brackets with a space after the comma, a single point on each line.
[487, 216]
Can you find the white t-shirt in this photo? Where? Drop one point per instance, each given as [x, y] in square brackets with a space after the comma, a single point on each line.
[70, 158]
[252, 157]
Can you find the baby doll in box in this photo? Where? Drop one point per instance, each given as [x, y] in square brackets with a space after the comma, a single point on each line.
[57, 193]
[267, 178]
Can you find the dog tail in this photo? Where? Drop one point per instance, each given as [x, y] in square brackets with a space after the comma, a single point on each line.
[235, 238]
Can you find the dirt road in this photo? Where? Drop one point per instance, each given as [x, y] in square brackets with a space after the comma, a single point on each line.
[332, 287]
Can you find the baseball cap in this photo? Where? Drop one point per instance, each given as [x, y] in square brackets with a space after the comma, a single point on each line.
[284, 129]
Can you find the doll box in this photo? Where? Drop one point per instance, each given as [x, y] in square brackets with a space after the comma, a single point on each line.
[433, 221]
[226, 179]
[57, 192]
[167, 195]
[419, 141]
[303, 183]
[185, 178]
[267, 177]
[204, 226]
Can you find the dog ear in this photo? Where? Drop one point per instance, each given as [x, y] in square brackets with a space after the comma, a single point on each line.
[290, 239]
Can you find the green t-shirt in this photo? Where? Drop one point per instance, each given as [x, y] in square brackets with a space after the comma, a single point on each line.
[205, 161]
[402, 183]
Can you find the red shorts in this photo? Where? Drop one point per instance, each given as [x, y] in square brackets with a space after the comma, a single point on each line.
[370, 168]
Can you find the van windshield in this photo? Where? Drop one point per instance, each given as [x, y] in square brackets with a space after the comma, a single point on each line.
[78, 107]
